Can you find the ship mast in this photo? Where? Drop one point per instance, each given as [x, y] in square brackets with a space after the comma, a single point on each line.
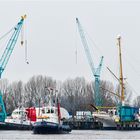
[121, 70]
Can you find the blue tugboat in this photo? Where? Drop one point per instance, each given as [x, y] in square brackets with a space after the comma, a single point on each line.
[49, 120]
[45, 127]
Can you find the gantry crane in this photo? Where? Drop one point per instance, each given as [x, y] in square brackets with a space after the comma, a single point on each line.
[5, 58]
[95, 71]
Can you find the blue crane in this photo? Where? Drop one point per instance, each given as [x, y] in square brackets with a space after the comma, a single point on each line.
[95, 71]
[5, 58]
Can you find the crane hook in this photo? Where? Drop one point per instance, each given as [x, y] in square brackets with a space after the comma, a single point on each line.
[27, 62]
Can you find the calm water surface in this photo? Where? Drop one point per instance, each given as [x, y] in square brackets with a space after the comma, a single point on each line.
[74, 135]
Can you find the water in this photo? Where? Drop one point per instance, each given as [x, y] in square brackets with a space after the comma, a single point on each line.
[74, 135]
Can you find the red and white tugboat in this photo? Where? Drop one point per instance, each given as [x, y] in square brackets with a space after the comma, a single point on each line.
[21, 118]
[49, 120]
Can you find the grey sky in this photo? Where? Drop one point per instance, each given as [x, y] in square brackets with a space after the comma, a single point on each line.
[53, 39]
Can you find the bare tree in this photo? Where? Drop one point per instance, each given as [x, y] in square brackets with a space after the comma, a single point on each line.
[108, 99]
[4, 90]
[76, 94]
[35, 90]
[16, 93]
[137, 101]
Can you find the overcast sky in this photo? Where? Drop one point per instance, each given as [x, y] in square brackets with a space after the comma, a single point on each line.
[53, 38]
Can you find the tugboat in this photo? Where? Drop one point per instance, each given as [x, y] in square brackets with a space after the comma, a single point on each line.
[20, 119]
[49, 121]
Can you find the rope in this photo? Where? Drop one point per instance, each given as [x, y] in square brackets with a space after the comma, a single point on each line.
[76, 49]
[24, 41]
[6, 34]
[26, 52]
[22, 35]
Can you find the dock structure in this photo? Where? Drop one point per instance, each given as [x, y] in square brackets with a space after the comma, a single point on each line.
[83, 120]
[84, 125]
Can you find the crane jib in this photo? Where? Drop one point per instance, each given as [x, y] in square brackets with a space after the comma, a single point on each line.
[95, 72]
[10, 46]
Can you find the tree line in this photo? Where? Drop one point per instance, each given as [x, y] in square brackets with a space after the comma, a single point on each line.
[74, 94]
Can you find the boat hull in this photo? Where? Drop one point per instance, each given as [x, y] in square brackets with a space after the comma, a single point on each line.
[107, 120]
[14, 126]
[50, 128]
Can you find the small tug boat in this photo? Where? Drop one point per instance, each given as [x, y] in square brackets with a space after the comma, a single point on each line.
[20, 119]
[49, 121]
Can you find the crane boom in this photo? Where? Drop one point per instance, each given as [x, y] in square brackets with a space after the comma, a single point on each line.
[10, 45]
[5, 58]
[98, 70]
[95, 72]
[85, 44]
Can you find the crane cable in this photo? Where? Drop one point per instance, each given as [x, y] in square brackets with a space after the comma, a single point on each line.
[23, 39]
[101, 52]
[26, 54]
[6, 35]
[3, 36]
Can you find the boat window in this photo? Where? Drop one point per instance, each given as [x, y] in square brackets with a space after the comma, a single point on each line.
[21, 112]
[43, 111]
[15, 113]
[47, 110]
[52, 111]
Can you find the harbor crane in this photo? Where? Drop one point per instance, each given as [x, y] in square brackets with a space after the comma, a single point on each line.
[5, 58]
[95, 71]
